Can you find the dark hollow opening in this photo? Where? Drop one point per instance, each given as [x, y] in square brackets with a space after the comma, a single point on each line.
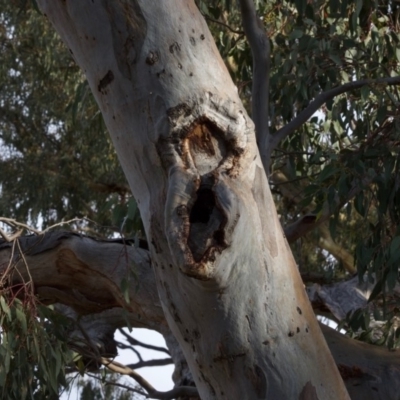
[203, 206]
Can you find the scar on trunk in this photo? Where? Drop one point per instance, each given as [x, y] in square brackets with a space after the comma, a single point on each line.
[308, 392]
[201, 154]
[108, 78]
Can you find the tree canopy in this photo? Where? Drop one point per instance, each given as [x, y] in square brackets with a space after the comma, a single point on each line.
[333, 112]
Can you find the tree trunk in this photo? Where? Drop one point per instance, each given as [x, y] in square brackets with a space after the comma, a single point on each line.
[228, 284]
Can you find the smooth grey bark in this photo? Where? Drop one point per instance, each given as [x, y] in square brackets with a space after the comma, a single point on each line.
[227, 281]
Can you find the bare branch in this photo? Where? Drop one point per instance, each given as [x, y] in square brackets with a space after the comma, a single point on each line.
[135, 342]
[151, 363]
[223, 24]
[124, 346]
[152, 392]
[15, 224]
[260, 48]
[10, 237]
[322, 98]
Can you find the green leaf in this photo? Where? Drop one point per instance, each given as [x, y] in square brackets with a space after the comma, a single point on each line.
[377, 290]
[301, 6]
[336, 59]
[80, 366]
[365, 92]
[7, 361]
[125, 286]
[359, 204]
[132, 208]
[343, 186]
[22, 319]
[394, 250]
[392, 278]
[4, 306]
[334, 6]
[296, 34]
[327, 172]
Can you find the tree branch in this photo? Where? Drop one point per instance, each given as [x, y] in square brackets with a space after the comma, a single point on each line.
[152, 392]
[151, 363]
[135, 342]
[260, 48]
[322, 98]
[124, 346]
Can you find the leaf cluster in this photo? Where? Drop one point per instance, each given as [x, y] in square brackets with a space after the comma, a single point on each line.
[33, 351]
[56, 159]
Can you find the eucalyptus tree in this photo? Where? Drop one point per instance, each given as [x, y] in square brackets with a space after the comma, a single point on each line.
[197, 166]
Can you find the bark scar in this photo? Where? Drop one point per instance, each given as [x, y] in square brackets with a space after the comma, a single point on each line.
[108, 78]
[203, 151]
[308, 392]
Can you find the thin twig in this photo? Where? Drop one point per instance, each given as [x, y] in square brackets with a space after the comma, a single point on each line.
[124, 346]
[158, 362]
[7, 272]
[223, 24]
[63, 223]
[26, 265]
[15, 224]
[135, 342]
[12, 223]
[10, 237]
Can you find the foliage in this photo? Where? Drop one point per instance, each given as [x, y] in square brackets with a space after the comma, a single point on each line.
[32, 349]
[56, 159]
[351, 143]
